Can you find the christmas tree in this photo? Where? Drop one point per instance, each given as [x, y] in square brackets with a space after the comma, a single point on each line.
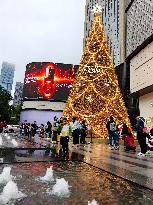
[95, 95]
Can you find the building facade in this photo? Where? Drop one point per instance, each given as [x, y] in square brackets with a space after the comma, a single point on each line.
[18, 94]
[139, 53]
[7, 75]
[139, 24]
[113, 19]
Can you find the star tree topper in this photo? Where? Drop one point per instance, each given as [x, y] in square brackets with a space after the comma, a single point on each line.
[97, 9]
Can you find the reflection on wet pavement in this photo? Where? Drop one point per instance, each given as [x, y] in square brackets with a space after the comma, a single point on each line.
[36, 142]
[80, 160]
[120, 163]
[86, 183]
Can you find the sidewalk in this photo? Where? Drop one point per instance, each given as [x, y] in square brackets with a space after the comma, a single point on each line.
[118, 162]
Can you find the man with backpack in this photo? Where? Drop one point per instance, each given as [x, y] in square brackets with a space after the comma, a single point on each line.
[113, 133]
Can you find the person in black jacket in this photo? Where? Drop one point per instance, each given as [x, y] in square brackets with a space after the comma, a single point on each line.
[83, 132]
[34, 128]
[141, 136]
[124, 132]
[49, 129]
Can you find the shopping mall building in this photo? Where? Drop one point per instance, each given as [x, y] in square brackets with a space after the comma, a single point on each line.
[139, 53]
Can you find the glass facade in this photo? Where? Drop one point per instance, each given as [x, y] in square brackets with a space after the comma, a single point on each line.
[7, 75]
[112, 17]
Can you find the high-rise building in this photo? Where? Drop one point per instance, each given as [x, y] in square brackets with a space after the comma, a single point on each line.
[7, 75]
[18, 94]
[113, 18]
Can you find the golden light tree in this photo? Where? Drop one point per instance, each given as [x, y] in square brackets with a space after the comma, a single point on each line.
[95, 95]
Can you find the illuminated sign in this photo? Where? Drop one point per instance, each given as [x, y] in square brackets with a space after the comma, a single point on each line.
[48, 81]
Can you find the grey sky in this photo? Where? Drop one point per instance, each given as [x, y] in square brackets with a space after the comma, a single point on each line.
[41, 30]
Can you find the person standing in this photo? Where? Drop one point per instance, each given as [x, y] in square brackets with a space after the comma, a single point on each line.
[49, 129]
[113, 133]
[141, 136]
[42, 130]
[124, 132]
[25, 129]
[59, 128]
[29, 132]
[1, 126]
[65, 133]
[34, 128]
[21, 125]
[83, 132]
[75, 130]
[54, 129]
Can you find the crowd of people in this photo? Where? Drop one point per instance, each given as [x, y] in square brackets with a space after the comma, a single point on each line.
[144, 136]
[117, 132]
[29, 130]
[59, 130]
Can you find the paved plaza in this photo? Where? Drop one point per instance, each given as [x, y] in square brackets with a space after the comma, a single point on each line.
[93, 171]
[118, 162]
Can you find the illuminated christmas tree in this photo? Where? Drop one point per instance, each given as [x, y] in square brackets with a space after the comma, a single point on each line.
[95, 95]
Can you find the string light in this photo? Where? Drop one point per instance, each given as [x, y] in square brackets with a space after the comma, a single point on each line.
[95, 95]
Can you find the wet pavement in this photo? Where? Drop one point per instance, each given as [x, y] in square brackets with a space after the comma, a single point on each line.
[86, 183]
[98, 158]
[24, 143]
[123, 164]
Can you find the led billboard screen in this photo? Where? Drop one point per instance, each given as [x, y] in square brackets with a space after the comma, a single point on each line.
[48, 81]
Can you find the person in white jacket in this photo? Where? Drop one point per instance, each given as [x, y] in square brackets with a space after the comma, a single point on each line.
[65, 133]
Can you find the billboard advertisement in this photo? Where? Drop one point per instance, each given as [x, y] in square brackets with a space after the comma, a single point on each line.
[48, 81]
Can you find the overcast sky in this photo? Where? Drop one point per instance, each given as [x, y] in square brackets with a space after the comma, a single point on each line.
[41, 30]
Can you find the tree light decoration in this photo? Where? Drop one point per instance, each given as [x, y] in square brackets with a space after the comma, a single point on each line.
[95, 94]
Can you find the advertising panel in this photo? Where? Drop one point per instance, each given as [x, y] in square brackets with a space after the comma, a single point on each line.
[48, 81]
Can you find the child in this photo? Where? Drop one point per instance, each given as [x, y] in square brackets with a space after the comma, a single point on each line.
[65, 133]
[129, 141]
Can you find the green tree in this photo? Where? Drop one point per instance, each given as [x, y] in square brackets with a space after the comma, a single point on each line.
[5, 98]
[15, 114]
